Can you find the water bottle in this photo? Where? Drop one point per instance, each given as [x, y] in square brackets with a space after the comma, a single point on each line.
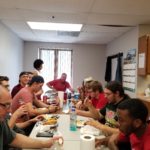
[73, 119]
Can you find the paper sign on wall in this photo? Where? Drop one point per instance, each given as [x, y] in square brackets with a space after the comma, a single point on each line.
[141, 60]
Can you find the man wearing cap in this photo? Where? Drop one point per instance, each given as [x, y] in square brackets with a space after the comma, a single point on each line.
[26, 96]
[23, 81]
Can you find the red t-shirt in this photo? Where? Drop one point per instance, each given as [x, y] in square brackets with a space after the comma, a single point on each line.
[142, 143]
[100, 102]
[23, 96]
[59, 85]
[16, 89]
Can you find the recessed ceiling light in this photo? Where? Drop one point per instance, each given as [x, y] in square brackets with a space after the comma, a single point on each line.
[54, 26]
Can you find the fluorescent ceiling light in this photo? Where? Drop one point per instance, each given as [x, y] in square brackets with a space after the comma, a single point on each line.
[54, 26]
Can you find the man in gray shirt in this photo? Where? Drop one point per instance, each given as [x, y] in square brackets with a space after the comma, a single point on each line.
[9, 137]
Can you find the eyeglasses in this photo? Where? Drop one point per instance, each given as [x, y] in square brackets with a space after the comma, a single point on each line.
[6, 106]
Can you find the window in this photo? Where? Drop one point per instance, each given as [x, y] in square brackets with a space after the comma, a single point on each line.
[56, 61]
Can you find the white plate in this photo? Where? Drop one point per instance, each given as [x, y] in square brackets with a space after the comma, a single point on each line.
[90, 130]
[80, 123]
[47, 127]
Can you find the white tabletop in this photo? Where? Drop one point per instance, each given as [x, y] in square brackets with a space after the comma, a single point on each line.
[71, 138]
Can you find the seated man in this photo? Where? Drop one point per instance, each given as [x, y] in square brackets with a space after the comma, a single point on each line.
[26, 96]
[84, 87]
[4, 81]
[22, 110]
[60, 84]
[132, 118]
[96, 96]
[9, 137]
[23, 81]
[114, 93]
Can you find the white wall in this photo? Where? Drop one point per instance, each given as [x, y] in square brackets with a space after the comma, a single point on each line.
[11, 54]
[124, 43]
[88, 60]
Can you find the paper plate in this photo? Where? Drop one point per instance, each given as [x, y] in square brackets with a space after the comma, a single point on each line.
[80, 123]
[90, 130]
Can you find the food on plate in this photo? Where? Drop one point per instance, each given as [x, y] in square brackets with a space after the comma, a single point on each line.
[80, 123]
[50, 121]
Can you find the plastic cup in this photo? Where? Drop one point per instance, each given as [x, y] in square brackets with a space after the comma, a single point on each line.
[61, 98]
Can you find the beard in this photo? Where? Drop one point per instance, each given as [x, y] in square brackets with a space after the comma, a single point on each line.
[128, 130]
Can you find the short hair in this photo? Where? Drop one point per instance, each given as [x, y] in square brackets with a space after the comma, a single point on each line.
[64, 74]
[23, 73]
[29, 72]
[95, 86]
[136, 108]
[3, 78]
[37, 79]
[37, 63]
[115, 86]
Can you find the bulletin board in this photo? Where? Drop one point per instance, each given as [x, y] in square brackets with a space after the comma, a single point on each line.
[129, 71]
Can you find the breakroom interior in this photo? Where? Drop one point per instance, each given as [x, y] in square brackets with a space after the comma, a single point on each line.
[109, 27]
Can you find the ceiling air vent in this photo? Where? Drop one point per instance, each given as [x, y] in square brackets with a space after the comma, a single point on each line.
[114, 25]
[64, 33]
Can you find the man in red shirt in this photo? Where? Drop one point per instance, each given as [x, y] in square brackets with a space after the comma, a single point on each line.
[23, 81]
[60, 84]
[132, 117]
[95, 97]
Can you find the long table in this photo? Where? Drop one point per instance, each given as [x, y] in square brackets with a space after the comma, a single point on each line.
[71, 138]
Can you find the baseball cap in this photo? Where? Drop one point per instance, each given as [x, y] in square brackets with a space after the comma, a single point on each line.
[37, 79]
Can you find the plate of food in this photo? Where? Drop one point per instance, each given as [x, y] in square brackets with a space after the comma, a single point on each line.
[80, 123]
[50, 121]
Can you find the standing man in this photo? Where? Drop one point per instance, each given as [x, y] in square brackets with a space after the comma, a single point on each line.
[38, 65]
[60, 84]
[9, 137]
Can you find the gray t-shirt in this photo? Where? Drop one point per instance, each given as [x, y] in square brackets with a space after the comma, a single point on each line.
[6, 135]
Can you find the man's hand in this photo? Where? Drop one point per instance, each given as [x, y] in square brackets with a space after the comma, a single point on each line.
[53, 108]
[88, 102]
[80, 105]
[113, 140]
[22, 110]
[37, 118]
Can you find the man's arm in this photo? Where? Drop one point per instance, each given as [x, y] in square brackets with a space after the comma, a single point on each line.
[38, 111]
[22, 110]
[104, 128]
[39, 103]
[95, 113]
[50, 84]
[113, 140]
[29, 122]
[84, 113]
[22, 141]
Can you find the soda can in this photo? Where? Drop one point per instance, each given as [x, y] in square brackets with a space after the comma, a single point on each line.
[45, 98]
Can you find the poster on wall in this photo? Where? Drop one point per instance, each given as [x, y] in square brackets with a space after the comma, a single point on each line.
[129, 71]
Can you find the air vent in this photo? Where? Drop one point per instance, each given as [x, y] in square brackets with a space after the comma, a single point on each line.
[117, 26]
[72, 34]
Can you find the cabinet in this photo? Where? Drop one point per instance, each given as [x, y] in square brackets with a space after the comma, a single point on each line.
[144, 55]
